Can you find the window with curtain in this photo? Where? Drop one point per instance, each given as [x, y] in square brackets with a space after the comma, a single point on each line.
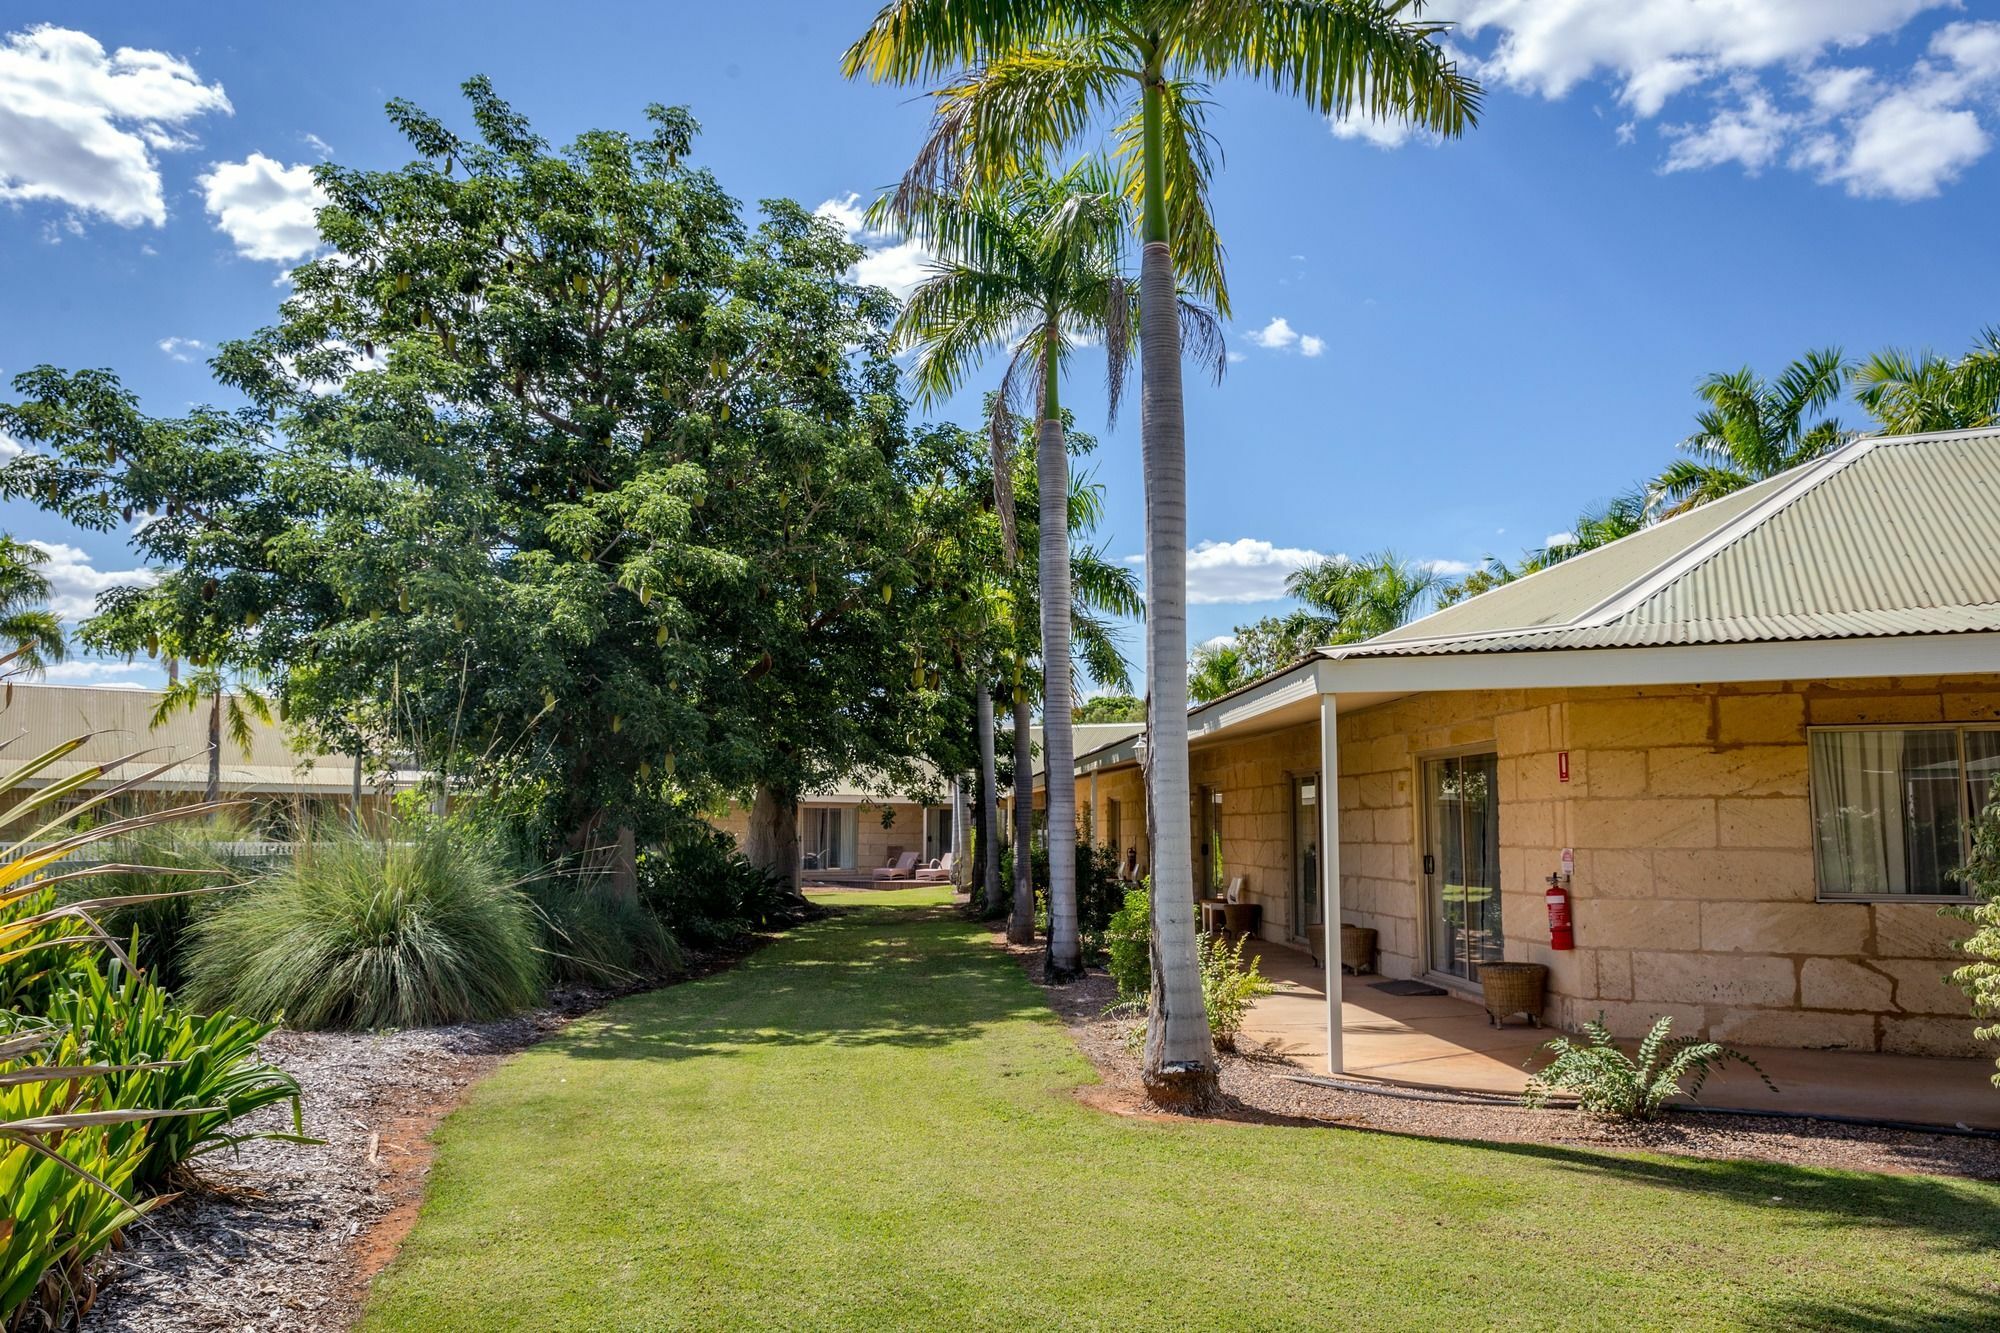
[1893, 810]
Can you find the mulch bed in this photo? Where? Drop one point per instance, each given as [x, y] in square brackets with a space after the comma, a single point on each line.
[288, 1236]
[1265, 1088]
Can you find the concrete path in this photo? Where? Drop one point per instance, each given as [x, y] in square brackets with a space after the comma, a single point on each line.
[1446, 1042]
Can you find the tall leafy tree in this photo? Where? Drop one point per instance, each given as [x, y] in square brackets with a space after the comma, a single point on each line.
[608, 496]
[1908, 393]
[1024, 81]
[1752, 429]
[1111, 708]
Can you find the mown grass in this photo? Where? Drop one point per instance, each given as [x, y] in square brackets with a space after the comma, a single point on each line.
[868, 1125]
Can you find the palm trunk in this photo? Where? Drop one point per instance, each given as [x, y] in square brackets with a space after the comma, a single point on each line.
[960, 865]
[1065, 960]
[989, 804]
[1179, 1069]
[214, 791]
[1021, 921]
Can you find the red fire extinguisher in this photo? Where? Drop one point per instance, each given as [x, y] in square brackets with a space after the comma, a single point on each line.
[1561, 936]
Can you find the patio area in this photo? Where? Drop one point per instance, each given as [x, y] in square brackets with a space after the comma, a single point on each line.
[1445, 1042]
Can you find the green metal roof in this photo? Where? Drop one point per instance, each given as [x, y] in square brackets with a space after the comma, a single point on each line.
[1889, 535]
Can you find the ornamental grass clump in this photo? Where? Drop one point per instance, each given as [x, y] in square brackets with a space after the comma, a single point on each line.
[1608, 1082]
[424, 927]
[593, 935]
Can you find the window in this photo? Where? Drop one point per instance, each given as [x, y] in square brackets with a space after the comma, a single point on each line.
[1114, 826]
[1893, 809]
[829, 838]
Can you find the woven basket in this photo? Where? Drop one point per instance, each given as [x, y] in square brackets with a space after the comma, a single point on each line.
[1357, 949]
[1513, 988]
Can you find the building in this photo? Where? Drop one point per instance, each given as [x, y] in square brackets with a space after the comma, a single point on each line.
[289, 786]
[1763, 727]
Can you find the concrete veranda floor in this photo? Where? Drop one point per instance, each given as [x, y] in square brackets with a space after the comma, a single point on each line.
[1445, 1042]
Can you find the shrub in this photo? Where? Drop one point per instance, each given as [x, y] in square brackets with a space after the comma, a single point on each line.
[1099, 895]
[1608, 1082]
[706, 894]
[165, 1059]
[594, 936]
[151, 862]
[62, 1192]
[1128, 945]
[426, 927]
[1228, 988]
[1980, 980]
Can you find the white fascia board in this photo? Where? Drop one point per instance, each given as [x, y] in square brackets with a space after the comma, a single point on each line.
[1300, 683]
[1678, 664]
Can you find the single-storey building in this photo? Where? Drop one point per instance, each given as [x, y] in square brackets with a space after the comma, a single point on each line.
[291, 788]
[1764, 728]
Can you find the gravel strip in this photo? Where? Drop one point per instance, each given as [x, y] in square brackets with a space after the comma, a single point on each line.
[1266, 1088]
[277, 1235]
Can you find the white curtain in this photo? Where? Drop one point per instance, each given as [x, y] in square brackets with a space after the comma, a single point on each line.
[1886, 811]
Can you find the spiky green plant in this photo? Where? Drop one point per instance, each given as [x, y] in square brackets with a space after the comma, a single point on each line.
[1609, 1082]
[593, 935]
[1229, 986]
[423, 927]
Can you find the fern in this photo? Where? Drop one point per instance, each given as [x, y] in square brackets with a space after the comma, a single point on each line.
[1608, 1082]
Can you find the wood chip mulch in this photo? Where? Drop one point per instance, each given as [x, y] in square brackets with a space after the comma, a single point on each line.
[288, 1236]
[1265, 1088]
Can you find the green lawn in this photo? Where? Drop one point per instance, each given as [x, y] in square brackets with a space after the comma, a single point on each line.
[867, 1125]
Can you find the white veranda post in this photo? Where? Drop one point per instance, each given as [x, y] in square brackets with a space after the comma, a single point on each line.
[1329, 870]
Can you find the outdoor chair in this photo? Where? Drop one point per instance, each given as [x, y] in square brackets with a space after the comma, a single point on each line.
[904, 867]
[937, 872]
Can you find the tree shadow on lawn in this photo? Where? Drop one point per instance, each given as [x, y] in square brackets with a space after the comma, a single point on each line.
[885, 980]
[1961, 1218]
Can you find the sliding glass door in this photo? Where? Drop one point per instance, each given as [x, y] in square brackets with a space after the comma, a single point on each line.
[1462, 863]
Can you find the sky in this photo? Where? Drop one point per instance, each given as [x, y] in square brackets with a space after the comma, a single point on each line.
[1444, 349]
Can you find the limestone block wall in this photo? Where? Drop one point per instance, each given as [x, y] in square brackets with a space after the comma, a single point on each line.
[1124, 786]
[904, 828]
[1254, 778]
[1695, 889]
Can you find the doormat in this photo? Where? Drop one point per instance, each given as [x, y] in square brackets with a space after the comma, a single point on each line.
[1407, 988]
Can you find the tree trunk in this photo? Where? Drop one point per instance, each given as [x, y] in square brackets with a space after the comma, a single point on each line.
[989, 804]
[1021, 921]
[1179, 1069]
[625, 865]
[772, 842]
[961, 867]
[1065, 960]
[214, 790]
[355, 811]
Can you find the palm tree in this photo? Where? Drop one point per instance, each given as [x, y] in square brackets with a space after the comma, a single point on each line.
[1363, 598]
[1031, 264]
[1029, 78]
[1752, 430]
[229, 707]
[34, 635]
[1217, 668]
[1932, 392]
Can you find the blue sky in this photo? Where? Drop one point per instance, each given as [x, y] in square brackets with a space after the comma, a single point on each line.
[1445, 349]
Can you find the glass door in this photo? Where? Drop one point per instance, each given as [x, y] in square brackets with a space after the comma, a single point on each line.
[1462, 863]
[1308, 900]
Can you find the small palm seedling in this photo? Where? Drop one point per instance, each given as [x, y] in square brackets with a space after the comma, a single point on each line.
[1608, 1082]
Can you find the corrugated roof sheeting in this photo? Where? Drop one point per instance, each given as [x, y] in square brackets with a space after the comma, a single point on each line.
[1554, 596]
[1891, 537]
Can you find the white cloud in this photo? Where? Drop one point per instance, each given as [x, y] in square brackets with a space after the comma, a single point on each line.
[1244, 570]
[1387, 134]
[1555, 539]
[1219, 641]
[101, 674]
[319, 387]
[1280, 336]
[889, 260]
[265, 207]
[1774, 73]
[1449, 569]
[82, 127]
[318, 145]
[181, 349]
[10, 448]
[74, 581]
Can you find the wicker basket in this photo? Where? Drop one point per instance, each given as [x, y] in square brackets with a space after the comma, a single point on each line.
[1357, 949]
[1513, 988]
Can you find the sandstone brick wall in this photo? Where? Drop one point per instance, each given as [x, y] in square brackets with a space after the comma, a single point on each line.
[1687, 808]
[1695, 890]
[872, 840]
